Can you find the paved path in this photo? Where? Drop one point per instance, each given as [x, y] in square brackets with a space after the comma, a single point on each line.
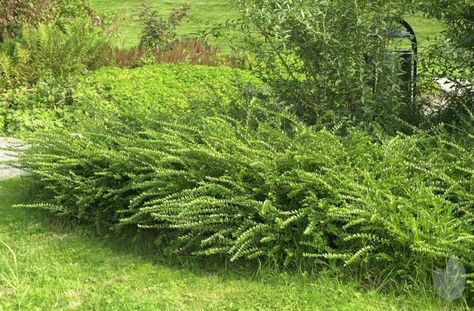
[5, 170]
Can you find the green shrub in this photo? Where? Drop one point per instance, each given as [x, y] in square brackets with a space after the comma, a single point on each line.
[51, 50]
[52, 102]
[261, 185]
[15, 14]
[158, 32]
[172, 86]
[458, 17]
[329, 60]
[452, 57]
[166, 88]
[332, 61]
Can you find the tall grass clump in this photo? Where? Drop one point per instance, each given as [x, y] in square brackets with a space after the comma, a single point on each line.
[250, 183]
[8, 267]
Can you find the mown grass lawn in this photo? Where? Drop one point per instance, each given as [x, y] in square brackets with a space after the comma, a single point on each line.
[204, 15]
[207, 13]
[64, 268]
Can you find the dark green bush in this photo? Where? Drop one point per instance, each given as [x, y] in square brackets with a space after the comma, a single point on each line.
[329, 60]
[260, 185]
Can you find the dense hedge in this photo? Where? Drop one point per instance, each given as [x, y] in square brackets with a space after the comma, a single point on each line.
[261, 185]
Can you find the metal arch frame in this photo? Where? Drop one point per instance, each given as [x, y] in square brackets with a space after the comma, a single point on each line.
[414, 46]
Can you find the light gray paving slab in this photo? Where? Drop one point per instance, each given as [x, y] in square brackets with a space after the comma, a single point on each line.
[6, 171]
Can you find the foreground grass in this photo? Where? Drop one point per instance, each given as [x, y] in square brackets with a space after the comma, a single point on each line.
[207, 13]
[53, 267]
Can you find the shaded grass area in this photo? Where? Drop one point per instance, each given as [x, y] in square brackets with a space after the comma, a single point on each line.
[207, 13]
[59, 268]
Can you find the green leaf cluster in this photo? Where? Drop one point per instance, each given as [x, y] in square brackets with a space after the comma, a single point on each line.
[331, 60]
[51, 50]
[250, 183]
[59, 102]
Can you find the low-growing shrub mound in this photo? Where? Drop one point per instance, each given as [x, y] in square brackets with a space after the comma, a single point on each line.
[260, 185]
[54, 102]
[172, 85]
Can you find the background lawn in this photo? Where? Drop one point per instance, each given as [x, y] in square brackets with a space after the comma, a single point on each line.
[204, 15]
[62, 268]
[207, 13]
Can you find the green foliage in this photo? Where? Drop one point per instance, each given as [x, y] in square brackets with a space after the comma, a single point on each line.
[452, 57]
[57, 102]
[158, 32]
[172, 86]
[51, 102]
[261, 185]
[51, 50]
[329, 60]
[458, 16]
[15, 14]
[62, 268]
